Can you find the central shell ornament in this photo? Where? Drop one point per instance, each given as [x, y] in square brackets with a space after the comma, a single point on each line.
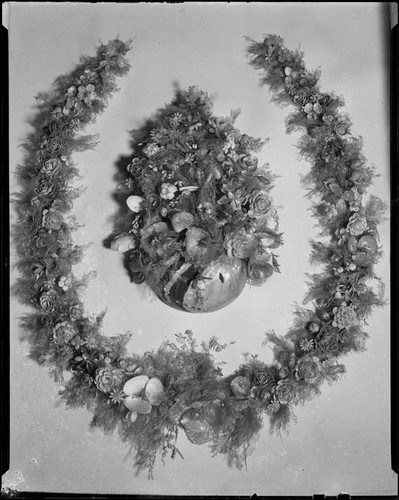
[215, 287]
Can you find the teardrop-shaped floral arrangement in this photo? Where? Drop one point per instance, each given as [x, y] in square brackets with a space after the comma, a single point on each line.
[198, 220]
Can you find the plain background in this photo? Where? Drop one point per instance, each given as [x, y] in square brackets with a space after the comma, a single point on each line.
[341, 442]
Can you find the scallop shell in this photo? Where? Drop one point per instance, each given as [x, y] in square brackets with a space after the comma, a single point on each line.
[135, 385]
[154, 391]
[134, 202]
[138, 405]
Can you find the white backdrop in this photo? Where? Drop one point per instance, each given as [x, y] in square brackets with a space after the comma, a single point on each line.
[341, 441]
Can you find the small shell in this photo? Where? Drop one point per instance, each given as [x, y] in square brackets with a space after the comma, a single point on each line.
[137, 405]
[154, 391]
[308, 107]
[124, 243]
[241, 387]
[189, 188]
[216, 172]
[317, 108]
[133, 416]
[181, 220]
[288, 71]
[134, 202]
[135, 385]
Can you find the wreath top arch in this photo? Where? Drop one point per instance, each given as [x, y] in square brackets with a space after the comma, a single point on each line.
[149, 398]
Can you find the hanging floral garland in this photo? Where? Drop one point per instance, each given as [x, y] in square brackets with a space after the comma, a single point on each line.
[196, 220]
[180, 386]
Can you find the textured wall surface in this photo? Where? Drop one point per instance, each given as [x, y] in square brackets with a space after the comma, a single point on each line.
[342, 439]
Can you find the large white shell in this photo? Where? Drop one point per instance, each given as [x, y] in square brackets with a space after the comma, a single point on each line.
[134, 202]
[154, 391]
[138, 405]
[135, 385]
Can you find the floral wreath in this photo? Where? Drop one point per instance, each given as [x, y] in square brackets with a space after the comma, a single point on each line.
[149, 398]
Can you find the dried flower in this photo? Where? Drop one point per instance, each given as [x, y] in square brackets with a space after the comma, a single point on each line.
[168, 191]
[306, 344]
[52, 219]
[49, 301]
[344, 316]
[259, 205]
[308, 369]
[357, 225]
[63, 332]
[108, 379]
[51, 167]
[44, 187]
[151, 149]
[239, 245]
[285, 392]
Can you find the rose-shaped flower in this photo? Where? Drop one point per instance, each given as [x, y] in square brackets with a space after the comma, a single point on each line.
[344, 316]
[328, 344]
[168, 191]
[45, 321]
[135, 167]
[261, 378]
[44, 187]
[51, 167]
[75, 311]
[357, 225]
[308, 369]
[259, 205]
[250, 163]
[239, 245]
[108, 379]
[259, 270]
[285, 392]
[52, 219]
[45, 239]
[64, 332]
[49, 301]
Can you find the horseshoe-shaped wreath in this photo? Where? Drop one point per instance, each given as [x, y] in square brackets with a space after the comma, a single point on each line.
[149, 398]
